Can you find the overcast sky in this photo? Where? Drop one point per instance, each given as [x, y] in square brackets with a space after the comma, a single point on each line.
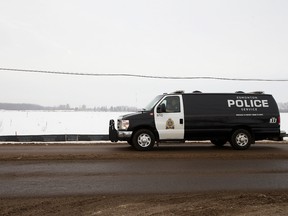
[233, 39]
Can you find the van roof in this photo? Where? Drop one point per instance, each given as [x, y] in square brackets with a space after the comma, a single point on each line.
[237, 92]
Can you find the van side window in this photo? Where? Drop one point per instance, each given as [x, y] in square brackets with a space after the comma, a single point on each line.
[171, 104]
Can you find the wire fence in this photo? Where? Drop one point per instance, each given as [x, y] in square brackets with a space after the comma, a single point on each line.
[142, 76]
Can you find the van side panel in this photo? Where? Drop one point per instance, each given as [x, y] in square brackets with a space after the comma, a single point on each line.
[209, 116]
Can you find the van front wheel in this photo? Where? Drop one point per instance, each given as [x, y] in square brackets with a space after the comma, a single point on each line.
[241, 139]
[143, 140]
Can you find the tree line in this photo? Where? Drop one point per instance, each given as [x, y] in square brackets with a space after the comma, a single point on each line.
[25, 106]
[283, 107]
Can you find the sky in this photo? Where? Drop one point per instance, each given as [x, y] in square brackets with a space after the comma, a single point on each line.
[223, 38]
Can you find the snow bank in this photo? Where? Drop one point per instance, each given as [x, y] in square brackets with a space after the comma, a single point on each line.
[55, 122]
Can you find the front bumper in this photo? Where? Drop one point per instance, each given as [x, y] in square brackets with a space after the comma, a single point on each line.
[115, 135]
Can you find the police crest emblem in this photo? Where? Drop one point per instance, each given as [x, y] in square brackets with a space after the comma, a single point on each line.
[169, 124]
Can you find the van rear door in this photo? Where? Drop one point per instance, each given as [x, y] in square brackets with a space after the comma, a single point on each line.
[169, 118]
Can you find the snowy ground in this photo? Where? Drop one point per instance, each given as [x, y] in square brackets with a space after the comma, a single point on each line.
[65, 122]
[55, 122]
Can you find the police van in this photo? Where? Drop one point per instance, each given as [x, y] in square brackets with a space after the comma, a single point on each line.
[238, 118]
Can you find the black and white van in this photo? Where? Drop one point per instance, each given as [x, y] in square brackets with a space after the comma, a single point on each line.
[239, 118]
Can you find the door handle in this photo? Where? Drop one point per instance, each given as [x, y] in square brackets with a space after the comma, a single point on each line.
[181, 121]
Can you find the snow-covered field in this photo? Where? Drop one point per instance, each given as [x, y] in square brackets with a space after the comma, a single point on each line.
[55, 122]
[65, 122]
[284, 121]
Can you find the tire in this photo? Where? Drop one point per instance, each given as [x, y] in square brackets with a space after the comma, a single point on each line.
[241, 139]
[219, 142]
[143, 140]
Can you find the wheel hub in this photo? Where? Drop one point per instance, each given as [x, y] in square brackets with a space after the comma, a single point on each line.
[144, 140]
[242, 139]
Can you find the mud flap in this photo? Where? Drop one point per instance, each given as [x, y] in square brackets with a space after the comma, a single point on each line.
[113, 134]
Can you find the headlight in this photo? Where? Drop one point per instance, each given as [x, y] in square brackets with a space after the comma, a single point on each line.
[123, 124]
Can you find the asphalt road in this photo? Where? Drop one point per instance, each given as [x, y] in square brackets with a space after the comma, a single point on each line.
[56, 170]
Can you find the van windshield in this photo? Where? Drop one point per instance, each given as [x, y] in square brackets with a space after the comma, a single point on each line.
[153, 103]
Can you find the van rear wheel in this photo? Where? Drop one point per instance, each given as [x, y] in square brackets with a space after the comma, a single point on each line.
[241, 139]
[143, 140]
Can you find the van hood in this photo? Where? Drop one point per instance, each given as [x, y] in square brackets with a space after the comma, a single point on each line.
[135, 115]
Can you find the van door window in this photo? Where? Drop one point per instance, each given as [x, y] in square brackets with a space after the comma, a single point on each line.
[170, 105]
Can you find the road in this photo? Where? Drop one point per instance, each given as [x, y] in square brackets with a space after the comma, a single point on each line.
[54, 170]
